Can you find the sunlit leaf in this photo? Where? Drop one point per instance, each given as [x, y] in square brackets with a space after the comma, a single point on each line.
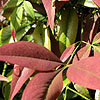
[49, 89]
[96, 51]
[28, 54]
[16, 17]
[97, 2]
[96, 39]
[82, 53]
[28, 8]
[50, 10]
[20, 77]
[3, 78]
[68, 51]
[86, 72]
[12, 3]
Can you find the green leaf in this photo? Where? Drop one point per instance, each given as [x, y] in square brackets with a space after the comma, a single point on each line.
[29, 8]
[16, 17]
[88, 3]
[13, 3]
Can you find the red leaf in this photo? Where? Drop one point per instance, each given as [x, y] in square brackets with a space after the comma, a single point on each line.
[97, 2]
[3, 78]
[19, 80]
[50, 10]
[96, 38]
[32, 63]
[28, 49]
[91, 28]
[42, 86]
[68, 51]
[13, 34]
[82, 53]
[59, 4]
[97, 51]
[86, 72]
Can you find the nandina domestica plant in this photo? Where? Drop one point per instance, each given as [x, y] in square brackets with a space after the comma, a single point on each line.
[49, 49]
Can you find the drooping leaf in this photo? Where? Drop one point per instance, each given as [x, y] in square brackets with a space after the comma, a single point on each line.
[97, 2]
[68, 51]
[3, 78]
[86, 72]
[82, 53]
[42, 86]
[50, 10]
[28, 8]
[21, 77]
[28, 54]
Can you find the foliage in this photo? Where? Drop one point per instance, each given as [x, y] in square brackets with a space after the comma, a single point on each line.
[49, 49]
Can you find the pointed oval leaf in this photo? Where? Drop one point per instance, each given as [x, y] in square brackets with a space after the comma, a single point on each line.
[28, 49]
[32, 63]
[68, 51]
[96, 51]
[25, 74]
[29, 8]
[44, 91]
[96, 39]
[82, 53]
[86, 72]
[50, 10]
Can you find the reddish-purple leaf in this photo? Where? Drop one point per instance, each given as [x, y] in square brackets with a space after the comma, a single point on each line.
[28, 49]
[3, 78]
[24, 75]
[44, 86]
[82, 53]
[50, 10]
[90, 28]
[15, 76]
[59, 4]
[97, 51]
[86, 72]
[96, 38]
[32, 63]
[97, 2]
[68, 51]
[13, 34]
